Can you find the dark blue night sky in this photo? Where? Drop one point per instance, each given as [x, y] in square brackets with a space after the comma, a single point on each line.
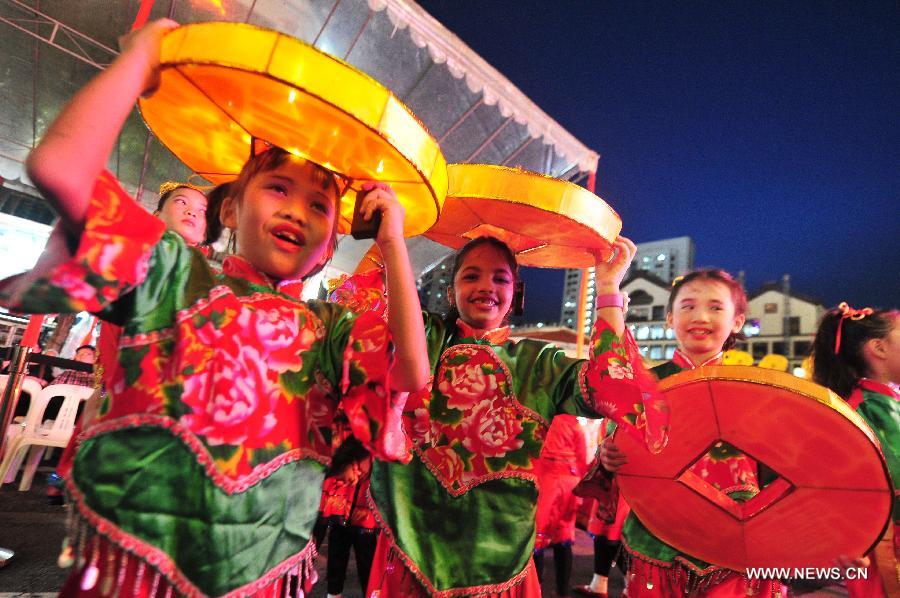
[766, 131]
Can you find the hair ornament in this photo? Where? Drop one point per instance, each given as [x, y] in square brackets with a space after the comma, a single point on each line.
[848, 312]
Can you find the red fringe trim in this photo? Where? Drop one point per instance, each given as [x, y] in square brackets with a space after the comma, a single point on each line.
[93, 534]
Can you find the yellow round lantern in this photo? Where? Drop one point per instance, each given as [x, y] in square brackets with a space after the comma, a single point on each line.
[774, 362]
[225, 86]
[547, 222]
[735, 357]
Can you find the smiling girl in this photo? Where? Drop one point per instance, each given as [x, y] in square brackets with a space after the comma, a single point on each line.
[459, 519]
[202, 473]
[706, 309]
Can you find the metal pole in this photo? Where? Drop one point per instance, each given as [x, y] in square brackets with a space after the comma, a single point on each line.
[583, 289]
[582, 317]
[786, 321]
[8, 403]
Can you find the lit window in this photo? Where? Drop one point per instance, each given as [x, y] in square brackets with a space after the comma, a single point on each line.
[656, 352]
[656, 332]
[670, 351]
[670, 334]
[645, 259]
[661, 257]
[540, 324]
[643, 333]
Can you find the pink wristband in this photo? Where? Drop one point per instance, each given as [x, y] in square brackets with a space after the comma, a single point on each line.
[610, 300]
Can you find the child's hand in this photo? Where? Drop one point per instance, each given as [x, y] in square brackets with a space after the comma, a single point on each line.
[145, 44]
[611, 456]
[846, 562]
[381, 198]
[609, 273]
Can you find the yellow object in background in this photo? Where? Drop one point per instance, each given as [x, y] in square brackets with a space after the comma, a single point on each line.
[225, 85]
[735, 357]
[774, 362]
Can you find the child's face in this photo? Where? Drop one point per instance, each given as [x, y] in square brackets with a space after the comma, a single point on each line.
[483, 288]
[285, 220]
[185, 213]
[703, 316]
[892, 351]
[85, 355]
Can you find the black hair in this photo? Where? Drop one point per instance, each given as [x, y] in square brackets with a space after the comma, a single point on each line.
[91, 347]
[214, 200]
[842, 370]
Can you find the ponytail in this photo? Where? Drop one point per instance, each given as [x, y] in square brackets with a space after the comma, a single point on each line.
[840, 365]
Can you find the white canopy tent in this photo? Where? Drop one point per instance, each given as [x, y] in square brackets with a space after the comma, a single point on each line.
[50, 48]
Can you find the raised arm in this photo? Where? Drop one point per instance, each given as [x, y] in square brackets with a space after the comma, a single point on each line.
[74, 150]
[411, 369]
[608, 275]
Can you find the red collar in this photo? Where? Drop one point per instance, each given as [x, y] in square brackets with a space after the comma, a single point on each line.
[883, 388]
[238, 267]
[495, 336]
[685, 362]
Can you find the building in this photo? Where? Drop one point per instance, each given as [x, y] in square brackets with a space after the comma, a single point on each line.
[571, 287]
[646, 316]
[785, 322]
[664, 259]
[432, 286]
[779, 321]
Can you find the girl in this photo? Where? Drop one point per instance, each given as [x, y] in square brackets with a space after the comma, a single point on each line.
[856, 353]
[707, 310]
[605, 514]
[459, 518]
[564, 461]
[185, 210]
[182, 207]
[202, 473]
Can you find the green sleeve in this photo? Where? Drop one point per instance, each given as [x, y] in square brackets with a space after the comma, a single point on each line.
[882, 413]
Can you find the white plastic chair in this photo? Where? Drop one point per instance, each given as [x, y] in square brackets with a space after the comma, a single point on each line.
[38, 438]
[33, 387]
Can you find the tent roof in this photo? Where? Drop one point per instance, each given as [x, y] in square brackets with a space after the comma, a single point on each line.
[475, 112]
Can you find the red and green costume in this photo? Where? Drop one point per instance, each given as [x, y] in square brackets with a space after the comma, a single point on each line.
[564, 461]
[879, 405]
[203, 472]
[459, 519]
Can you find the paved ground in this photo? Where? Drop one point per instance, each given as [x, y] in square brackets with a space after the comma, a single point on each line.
[35, 529]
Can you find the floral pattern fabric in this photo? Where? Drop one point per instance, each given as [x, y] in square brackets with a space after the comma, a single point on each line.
[478, 430]
[471, 426]
[229, 364]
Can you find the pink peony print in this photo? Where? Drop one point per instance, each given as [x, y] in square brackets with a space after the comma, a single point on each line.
[466, 384]
[491, 431]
